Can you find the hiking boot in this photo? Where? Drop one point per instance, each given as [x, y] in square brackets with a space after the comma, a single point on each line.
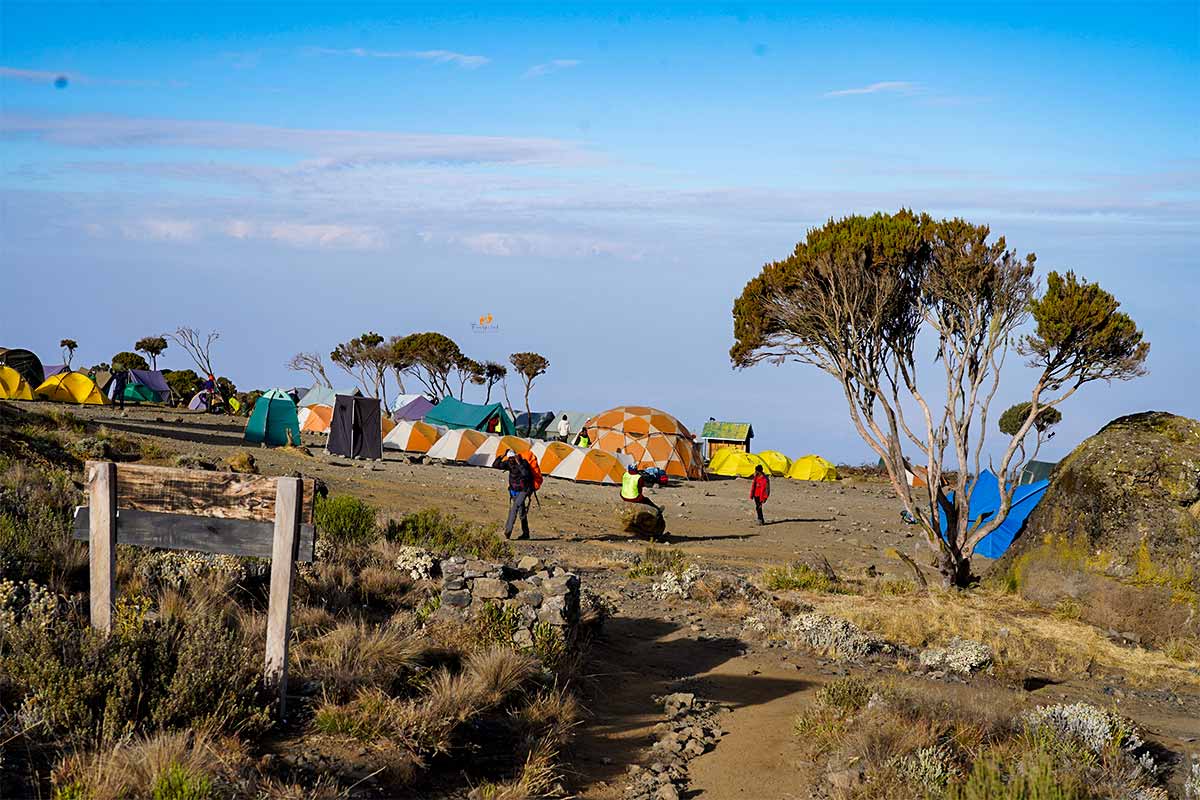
[523, 536]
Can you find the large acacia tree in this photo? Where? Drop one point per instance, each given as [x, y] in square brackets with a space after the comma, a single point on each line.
[860, 295]
[430, 358]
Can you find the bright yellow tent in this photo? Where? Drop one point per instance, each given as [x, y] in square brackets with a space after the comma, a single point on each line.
[812, 468]
[13, 385]
[71, 387]
[735, 463]
[777, 463]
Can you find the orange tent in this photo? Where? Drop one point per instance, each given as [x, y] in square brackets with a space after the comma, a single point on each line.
[551, 454]
[487, 452]
[316, 419]
[457, 445]
[653, 438]
[415, 437]
[592, 466]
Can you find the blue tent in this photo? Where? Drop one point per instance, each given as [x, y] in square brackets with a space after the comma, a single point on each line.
[985, 501]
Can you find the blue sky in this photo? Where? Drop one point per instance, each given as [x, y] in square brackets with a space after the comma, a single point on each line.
[602, 179]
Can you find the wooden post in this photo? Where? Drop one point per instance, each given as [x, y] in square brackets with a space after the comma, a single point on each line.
[102, 541]
[283, 568]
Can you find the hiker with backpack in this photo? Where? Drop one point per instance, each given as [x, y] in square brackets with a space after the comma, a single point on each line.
[524, 479]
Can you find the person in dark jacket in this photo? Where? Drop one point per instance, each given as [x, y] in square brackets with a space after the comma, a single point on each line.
[520, 489]
[120, 380]
[760, 490]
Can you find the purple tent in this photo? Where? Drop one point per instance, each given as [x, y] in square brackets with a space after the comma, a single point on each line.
[153, 380]
[51, 370]
[415, 410]
[198, 401]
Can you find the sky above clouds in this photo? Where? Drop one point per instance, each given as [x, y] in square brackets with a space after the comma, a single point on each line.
[601, 179]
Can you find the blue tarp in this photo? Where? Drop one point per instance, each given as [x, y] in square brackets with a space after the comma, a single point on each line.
[985, 501]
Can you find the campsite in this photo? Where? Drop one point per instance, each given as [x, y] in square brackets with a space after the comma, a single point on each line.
[599, 400]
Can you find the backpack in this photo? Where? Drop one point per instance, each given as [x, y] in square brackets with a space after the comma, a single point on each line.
[535, 469]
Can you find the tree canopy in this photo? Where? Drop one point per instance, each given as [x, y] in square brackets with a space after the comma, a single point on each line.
[152, 346]
[126, 360]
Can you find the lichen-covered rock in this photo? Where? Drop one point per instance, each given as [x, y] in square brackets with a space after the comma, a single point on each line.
[1136, 480]
[836, 637]
[960, 655]
[641, 520]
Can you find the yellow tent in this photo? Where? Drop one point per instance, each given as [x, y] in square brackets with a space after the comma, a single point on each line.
[777, 463]
[13, 386]
[71, 387]
[812, 468]
[735, 463]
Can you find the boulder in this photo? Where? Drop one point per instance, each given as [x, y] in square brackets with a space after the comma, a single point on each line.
[641, 520]
[1136, 480]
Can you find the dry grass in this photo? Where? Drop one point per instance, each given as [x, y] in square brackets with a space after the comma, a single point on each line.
[141, 767]
[1023, 637]
[353, 656]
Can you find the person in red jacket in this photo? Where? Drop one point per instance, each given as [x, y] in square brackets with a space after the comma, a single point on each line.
[760, 490]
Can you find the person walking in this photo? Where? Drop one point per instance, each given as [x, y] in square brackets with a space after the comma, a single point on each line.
[119, 381]
[564, 429]
[632, 483]
[760, 490]
[520, 490]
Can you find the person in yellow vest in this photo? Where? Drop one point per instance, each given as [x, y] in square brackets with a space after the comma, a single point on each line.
[583, 440]
[632, 483]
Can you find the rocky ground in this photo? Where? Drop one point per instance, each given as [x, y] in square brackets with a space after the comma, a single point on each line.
[690, 693]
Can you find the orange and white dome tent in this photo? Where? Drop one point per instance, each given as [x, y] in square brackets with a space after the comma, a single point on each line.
[591, 466]
[551, 454]
[485, 454]
[315, 419]
[457, 445]
[653, 438]
[413, 436]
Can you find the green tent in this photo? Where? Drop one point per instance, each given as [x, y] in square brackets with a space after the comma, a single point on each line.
[274, 417]
[455, 414]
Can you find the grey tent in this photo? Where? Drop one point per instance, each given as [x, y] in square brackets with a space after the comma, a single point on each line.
[575, 420]
[24, 362]
[1037, 471]
[536, 425]
[356, 430]
[324, 396]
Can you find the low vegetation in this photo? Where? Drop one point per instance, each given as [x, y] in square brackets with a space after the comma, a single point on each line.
[895, 740]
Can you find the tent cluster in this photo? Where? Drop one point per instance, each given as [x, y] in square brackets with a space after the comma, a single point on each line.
[652, 438]
[735, 463]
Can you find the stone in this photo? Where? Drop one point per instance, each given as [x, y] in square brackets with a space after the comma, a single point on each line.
[456, 599]
[523, 638]
[667, 792]
[641, 520]
[529, 564]
[563, 584]
[490, 588]
[530, 598]
[455, 584]
[478, 569]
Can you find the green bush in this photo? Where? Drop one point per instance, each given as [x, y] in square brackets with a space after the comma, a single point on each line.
[800, 576]
[549, 645]
[655, 562]
[443, 533]
[496, 625]
[845, 694]
[36, 507]
[179, 783]
[148, 675]
[343, 519]
[1037, 779]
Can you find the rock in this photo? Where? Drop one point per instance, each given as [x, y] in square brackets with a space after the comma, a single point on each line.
[667, 792]
[523, 638]
[477, 569]
[530, 597]
[564, 584]
[680, 701]
[456, 599]
[641, 520]
[1137, 479]
[490, 589]
[960, 655]
[845, 779]
[529, 564]
[455, 584]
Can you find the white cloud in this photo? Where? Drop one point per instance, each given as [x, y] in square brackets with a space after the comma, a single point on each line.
[556, 65]
[900, 87]
[331, 149]
[161, 230]
[355, 237]
[437, 56]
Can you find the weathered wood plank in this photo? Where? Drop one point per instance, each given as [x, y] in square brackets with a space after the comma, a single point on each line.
[283, 570]
[234, 537]
[228, 495]
[102, 548]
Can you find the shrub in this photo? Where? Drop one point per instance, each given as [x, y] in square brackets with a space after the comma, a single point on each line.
[847, 694]
[444, 534]
[656, 561]
[800, 576]
[496, 625]
[1037, 779]
[353, 656]
[549, 645]
[181, 783]
[343, 519]
[167, 766]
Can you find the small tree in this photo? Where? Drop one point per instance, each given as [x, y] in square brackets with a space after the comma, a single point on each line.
[126, 360]
[312, 364]
[467, 370]
[1013, 419]
[493, 373]
[152, 346]
[854, 298]
[69, 346]
[183, 383]
[366, 359]
[199, 348]
[430, 358]
[529, 366]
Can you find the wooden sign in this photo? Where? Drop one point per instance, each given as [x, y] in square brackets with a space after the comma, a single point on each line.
[212, 512]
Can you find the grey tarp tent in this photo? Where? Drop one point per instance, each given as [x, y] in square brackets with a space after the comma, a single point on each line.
[24, 362]
[356, 430]
[324, 396]
[536, 425]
